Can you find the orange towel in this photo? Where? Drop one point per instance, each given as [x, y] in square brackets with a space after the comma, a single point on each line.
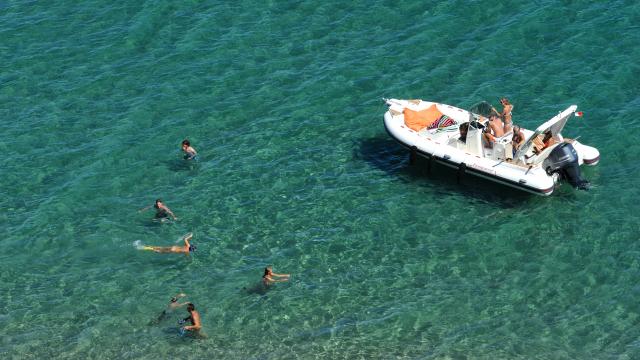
[418, 120]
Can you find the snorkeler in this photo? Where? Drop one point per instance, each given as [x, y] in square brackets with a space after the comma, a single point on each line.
[193, 317]
[186, 249]
[173, 304]
[269, 277]
[189, 151]
[162, 211]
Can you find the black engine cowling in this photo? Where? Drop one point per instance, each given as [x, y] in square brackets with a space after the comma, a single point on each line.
[564, 161]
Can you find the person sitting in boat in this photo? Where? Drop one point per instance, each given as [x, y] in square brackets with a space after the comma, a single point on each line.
[543, 141]
[496, 125]
[487, 138]
[493, 129]
[507, 110]
[518, 138]
[463, 128]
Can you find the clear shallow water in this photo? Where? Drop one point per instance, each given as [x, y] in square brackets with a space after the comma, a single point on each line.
[282, 101]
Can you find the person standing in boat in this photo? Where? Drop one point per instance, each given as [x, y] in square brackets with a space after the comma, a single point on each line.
[507, 109]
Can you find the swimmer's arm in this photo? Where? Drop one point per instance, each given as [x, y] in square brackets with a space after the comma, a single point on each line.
[187, 245]
[196, 323]
[170, 212]
[280, 275]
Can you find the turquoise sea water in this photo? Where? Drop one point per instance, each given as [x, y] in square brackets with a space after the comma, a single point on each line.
[282, 101]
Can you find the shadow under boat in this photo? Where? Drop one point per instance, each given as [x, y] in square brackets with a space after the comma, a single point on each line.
[389, 156]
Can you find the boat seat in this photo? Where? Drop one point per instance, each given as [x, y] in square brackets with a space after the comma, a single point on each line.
[537, 159]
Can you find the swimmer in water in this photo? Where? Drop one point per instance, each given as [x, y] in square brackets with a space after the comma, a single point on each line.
[186, 249]
[162, 210]
[269, 277]
[194, 318]
[173, 304]
[189, 151]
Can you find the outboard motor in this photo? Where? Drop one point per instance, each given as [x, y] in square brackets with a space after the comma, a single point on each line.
[564, 161]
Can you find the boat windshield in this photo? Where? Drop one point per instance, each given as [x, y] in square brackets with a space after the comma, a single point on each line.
[482, 108]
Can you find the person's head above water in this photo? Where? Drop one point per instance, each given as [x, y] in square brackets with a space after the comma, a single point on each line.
[174, 299]
[158, 203]
[190, 307]
[267, 271]
[186, 143]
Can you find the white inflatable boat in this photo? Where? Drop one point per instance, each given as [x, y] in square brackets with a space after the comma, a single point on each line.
[432, 130]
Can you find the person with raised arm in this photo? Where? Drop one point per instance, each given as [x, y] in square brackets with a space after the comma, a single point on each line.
[187, 248]
[162, 210]
[507, 110]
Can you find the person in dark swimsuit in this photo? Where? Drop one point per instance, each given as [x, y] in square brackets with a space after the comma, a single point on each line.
[162, 210]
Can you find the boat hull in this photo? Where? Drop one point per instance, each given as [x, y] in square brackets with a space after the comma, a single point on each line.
[447, 161]
[442, 145]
